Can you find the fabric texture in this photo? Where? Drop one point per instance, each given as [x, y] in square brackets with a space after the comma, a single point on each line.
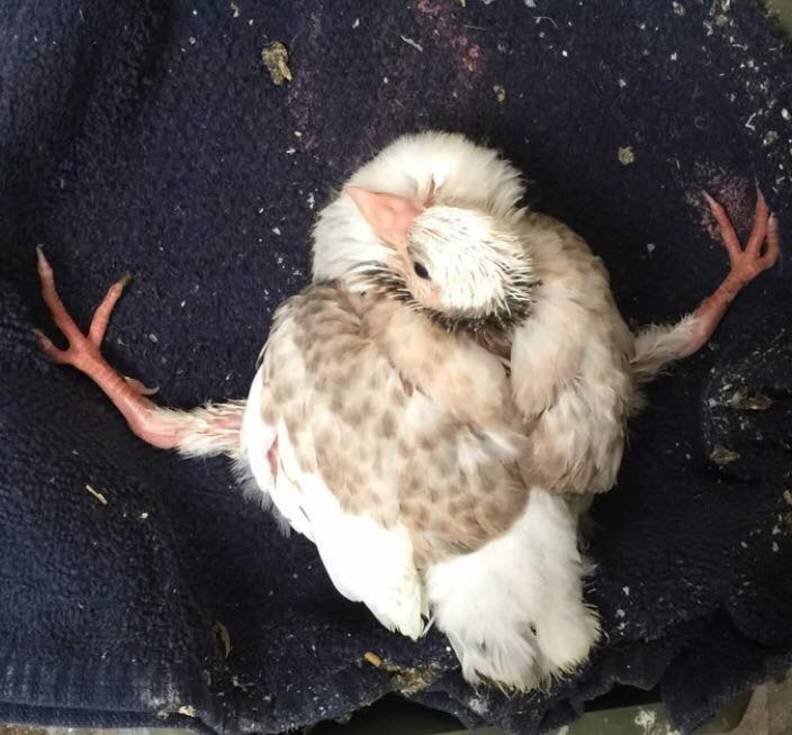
[149, 137]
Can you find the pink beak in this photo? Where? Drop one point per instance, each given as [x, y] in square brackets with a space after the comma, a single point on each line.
[389, 215]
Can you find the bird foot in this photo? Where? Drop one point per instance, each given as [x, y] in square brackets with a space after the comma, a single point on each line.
[761, 251]
[759, 254]
[140, 387]
[83, 353]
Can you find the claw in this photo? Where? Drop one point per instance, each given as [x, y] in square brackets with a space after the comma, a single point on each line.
[730, 239]
[759, 229]
[140, 387]
[48, 348]
[101, 317]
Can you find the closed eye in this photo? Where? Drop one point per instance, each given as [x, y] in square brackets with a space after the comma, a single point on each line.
[420, 270]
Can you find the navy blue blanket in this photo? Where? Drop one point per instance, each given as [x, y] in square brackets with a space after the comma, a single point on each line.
[149, 137]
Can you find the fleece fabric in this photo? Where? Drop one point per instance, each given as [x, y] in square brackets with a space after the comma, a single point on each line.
[147, 137]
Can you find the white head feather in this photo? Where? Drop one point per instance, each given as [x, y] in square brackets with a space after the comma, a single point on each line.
[466, 235]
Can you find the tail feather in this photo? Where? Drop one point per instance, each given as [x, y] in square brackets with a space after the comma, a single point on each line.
[513, 610]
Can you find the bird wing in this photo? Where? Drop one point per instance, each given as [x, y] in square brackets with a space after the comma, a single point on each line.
[569, 367]
[331, 404]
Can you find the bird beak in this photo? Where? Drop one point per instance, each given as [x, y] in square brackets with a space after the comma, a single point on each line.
[389, 215]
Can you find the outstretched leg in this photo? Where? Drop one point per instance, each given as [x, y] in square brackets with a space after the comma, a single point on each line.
[207, 430]
[657, 345]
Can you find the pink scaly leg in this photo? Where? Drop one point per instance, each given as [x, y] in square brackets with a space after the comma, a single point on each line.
[658, 345]
[747, 263]
[128, 395]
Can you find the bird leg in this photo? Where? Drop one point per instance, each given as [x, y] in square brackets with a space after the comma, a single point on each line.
[145, 418]
[656, 346]
[747, 263]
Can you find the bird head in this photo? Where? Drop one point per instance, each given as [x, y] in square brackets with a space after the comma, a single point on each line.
[460, 266]
[432, 221]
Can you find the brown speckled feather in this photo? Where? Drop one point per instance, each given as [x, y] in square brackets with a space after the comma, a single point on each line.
[368, 409]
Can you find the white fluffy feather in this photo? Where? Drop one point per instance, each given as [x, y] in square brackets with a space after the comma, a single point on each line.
[513, 610]
[413, 166]
[367, 562]
[489, 602]
[659, 344]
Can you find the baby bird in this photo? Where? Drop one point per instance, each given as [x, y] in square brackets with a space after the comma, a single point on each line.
[434, 409]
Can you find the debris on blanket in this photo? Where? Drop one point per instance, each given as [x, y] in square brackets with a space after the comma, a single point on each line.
[746, 401]
[411, 42]
[721, 455]
[770, 137]
[276, 58]
[408, 679]
[500, 93]
[223, 638]
[99, 496]
[626, 155]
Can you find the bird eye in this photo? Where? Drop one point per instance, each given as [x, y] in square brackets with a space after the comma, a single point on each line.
[420, 270]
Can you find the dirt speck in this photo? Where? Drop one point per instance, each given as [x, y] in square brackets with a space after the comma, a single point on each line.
[276, 59]
[223, 638]
[411, 42]
[99, 496]
[410, 680]
[745, 401]
[770, 137]
[500, 93]
[722, 456]
[788, 497]
[626, 155]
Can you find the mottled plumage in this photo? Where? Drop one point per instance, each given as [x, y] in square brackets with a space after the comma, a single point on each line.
[384, 447]
[437, 406]
[448, 418]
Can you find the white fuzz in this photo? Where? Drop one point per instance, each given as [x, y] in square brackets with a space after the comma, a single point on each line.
[367, 562]
[448, 166]
[207, 431]
[481, 265]
[513, 610]
[658, 345]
